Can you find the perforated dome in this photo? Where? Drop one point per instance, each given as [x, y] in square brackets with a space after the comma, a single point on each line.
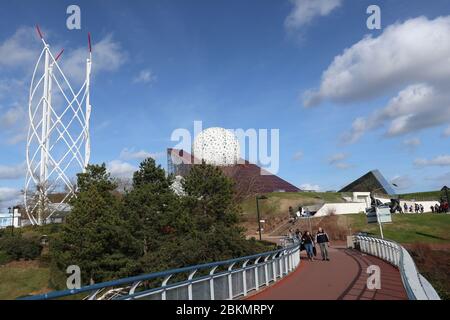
[217, 146]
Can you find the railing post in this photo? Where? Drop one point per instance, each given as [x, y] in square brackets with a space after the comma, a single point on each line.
[289, 260]
[244, 277]
[280, 264]
[286, 265]
[373, 248]
[389, 248]
[256, 274]
[274, 269]
[164, 283]
[382, 249]
[230, 282]
[133, 287]
[211, 284]
[191, 275]
[266, 270]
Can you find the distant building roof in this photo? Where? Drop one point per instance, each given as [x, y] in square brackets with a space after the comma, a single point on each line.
[370, 182]
[253, 176]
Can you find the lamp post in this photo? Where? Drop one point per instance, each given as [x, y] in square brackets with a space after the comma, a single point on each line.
[257, 213]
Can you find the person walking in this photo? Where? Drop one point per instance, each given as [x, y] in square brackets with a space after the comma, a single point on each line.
[298, 235]
[324, 241]
[308, 242]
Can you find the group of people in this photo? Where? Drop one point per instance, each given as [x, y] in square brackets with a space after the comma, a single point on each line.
[308, 242]
[418, 208]
[443, 208]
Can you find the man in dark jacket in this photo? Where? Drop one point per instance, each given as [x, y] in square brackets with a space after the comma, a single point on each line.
[324, 242]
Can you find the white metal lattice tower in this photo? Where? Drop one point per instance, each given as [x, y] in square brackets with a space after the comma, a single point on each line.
[58, 142]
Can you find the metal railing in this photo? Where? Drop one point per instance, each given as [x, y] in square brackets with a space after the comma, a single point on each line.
[225, 280]
[416, 286]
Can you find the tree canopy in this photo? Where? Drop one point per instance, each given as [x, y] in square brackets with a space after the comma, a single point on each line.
[149, 228]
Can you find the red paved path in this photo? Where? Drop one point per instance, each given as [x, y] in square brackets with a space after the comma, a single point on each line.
[342, 278]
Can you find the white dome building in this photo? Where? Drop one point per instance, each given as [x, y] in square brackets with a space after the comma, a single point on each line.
[217, 146]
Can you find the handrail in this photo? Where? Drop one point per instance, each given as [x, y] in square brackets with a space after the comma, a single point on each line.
[416, 286]
[133, 282]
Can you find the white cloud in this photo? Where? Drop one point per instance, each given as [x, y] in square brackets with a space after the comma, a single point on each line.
[441, 180]
[9, 195]
[12, 116]
[447, 132]
[413, 57]
[305, 11]
[19, 50]
[310, 187]
[415, 108]
[12, 172]
[412, 143]
[343, 165]
[440, 161]
[337, 157]
[107, 56]
[120, 169]
[298, 156]
[405, 53]
[145, 76]
[127, 154]
[338, 161]
[14, 124]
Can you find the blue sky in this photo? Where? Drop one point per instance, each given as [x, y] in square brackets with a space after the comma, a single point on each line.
[345, 98]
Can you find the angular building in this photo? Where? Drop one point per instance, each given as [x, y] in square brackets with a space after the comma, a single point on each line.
[370, 182]
[248, 177]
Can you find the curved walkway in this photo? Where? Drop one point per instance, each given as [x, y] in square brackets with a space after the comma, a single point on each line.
[342, 278]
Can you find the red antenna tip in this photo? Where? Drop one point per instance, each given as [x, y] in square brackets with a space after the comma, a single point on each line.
[59, 55]
[89, 41]
[39, 31]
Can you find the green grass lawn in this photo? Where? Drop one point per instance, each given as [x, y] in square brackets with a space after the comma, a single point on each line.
[279, 202]
[422, 196]
[407, 228]
[16, 281]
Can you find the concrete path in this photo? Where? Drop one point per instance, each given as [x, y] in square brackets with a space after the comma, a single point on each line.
[342, 278]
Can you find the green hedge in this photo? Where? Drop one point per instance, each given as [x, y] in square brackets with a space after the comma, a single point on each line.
[4, 258]
[18, 247]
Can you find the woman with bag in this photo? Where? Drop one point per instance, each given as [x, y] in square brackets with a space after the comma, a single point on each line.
[308, 242]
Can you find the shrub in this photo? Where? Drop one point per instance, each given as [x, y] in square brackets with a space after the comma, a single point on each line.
[18, 247]
[4, 258]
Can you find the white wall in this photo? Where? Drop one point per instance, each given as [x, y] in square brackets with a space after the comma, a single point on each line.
[426, 204]
[341, 208]
[361, 201]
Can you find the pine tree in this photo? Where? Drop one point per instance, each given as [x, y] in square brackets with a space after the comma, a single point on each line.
[94, 236]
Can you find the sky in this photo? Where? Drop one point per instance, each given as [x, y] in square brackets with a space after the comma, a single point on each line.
[346, 99]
